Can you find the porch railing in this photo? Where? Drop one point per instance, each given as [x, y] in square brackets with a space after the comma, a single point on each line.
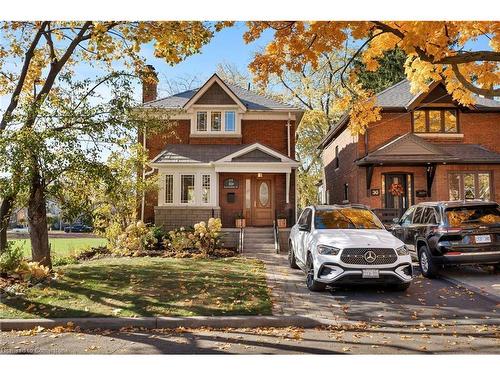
[241, 240]
[276, 232]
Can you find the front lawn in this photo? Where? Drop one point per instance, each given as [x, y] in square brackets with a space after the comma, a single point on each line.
[64, 247]
[146, 286]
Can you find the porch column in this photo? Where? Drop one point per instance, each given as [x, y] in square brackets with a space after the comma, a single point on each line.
[287, 188]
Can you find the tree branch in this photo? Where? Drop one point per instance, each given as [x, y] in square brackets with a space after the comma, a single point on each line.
[14, 99]
[469, 86]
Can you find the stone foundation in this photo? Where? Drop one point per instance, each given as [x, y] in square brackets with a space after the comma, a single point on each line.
[175, 217]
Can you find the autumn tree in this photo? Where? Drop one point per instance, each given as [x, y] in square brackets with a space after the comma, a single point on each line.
[436, 50]
[38, 61]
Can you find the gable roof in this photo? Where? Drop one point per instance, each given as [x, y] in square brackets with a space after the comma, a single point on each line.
[399, 97]
[249, 99]
[412, 149]
[209, 153]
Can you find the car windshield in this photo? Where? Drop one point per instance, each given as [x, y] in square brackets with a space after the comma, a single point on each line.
[346, 218]
[472, 216]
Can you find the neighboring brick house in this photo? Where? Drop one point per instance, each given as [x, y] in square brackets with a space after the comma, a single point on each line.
[426, 147]
[233, 152]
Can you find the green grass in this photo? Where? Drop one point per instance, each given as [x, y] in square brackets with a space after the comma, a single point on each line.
[130, 287]
[63, 247]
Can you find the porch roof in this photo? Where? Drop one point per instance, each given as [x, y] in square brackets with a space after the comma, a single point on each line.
[192, 154]
[412, 149]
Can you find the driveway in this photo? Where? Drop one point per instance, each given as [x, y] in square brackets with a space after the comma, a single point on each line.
[425, 301]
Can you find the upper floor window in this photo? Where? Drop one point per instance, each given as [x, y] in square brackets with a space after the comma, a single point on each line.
[216, 122]
[230, 118]
[435, 121]
[201, 121]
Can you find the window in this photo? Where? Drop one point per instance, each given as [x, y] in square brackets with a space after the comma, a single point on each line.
[230, 125]
[216, 121]
[304, 217]
[346, 192]
[169, 188]
[205, 188]
[417, 217]
[406, 218]
[201, 121]
[472, 215]
[469, 185]
[346, 218]
[435, 121]
[187, 188]
[337, 157]
[429, 216]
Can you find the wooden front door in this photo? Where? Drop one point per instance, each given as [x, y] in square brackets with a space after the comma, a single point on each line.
[262, 202]
[397, 198]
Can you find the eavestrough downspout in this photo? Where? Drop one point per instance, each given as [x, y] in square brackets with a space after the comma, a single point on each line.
[288, 125]
[144, 175]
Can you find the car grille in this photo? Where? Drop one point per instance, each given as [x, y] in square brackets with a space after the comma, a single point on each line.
[357, 256]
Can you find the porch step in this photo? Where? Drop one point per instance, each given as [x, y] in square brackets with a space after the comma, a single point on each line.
[258, 239]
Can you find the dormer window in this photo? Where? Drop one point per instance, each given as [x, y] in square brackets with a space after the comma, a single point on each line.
[201, 121]
[215, 122]
[435, 121]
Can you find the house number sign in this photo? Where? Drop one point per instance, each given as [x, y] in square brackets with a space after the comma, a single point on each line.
[231, 183]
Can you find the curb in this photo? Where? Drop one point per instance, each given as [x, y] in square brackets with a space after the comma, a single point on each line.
[213, 322]
[475, 289]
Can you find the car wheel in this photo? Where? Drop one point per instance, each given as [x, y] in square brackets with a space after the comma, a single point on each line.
[428, 267]
[312, 284]
[401, 287]
[291, 257]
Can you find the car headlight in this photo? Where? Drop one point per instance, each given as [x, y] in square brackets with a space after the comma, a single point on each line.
[327, 250]
[402, 250]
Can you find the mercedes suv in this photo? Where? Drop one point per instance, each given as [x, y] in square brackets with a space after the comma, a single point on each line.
[455, 232]
[347, 244]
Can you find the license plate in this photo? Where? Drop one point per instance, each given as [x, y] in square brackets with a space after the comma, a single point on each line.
[485, 238]
[370, 274]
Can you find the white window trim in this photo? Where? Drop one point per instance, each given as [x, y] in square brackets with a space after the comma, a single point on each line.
[198, 173]
[216, 133]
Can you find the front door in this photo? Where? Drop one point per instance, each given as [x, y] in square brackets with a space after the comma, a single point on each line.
[263, 202]
[396, 192]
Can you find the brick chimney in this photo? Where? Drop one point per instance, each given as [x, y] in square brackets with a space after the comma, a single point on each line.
[149, 84]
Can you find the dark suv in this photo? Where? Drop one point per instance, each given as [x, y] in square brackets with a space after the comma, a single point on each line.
[456, 232]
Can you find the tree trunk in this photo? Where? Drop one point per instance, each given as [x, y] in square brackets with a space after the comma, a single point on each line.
[5, 212]
[37, 216]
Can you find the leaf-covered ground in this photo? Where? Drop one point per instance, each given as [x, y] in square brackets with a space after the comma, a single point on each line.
[129, 287]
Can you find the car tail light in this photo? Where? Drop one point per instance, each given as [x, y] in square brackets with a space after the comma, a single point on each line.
[453, 253]
[440, 230]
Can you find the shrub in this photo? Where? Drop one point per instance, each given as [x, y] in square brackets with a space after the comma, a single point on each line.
[93, 253]
[158, 233]
[204, 237]
[136, 240]
[34, 272]
[11, 258]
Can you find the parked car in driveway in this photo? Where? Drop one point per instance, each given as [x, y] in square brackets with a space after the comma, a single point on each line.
[78, 228]
[347, 244]
[455, 232]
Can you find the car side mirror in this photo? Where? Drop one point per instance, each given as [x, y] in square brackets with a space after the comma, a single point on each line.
[304, 227]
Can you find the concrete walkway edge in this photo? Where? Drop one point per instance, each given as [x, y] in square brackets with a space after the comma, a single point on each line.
[208, 322]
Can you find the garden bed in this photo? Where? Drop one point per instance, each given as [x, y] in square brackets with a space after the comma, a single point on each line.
[145, 286]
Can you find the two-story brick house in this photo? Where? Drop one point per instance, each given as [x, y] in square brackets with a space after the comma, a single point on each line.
[426, 147]
[231, 152]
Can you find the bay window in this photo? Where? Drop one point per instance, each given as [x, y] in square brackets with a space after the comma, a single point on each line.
[435, 121]
[190, 187]
[469, 185]
[169, 188]
[187, 188]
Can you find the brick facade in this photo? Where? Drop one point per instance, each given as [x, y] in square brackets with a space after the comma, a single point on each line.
[482, 128]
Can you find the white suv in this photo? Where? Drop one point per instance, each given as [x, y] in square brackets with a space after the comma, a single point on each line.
[347, 245]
